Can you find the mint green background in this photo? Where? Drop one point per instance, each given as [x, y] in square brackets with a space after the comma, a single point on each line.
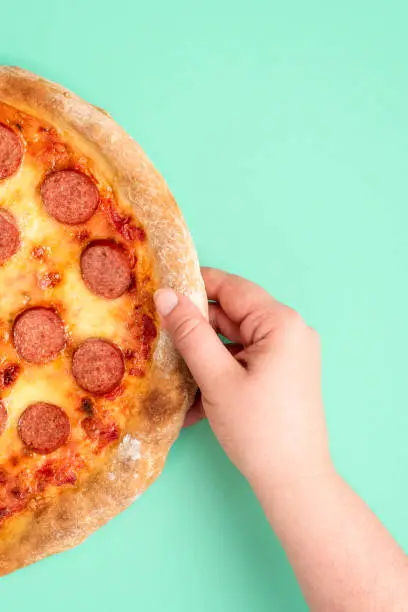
[282, 130]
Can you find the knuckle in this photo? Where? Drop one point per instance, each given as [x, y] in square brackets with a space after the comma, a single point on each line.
[314, 337]
[185, 328]
[258, 325]
[314, 333]
[291, 320]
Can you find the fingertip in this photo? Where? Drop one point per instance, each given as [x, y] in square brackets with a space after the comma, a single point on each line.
[165, 300]
[195, 414]
[213, 278]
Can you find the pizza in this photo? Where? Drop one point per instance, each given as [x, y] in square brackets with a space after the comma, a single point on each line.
[92, 391]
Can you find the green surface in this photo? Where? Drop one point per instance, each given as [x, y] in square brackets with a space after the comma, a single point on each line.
[282, 130]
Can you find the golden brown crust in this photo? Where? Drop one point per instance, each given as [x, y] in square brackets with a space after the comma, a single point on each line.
[138, 459]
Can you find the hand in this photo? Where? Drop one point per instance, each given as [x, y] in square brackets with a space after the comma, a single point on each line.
[263, 396]
[264, 404]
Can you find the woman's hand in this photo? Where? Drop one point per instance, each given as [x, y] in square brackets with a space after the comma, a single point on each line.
[261, 394]
[263, 401]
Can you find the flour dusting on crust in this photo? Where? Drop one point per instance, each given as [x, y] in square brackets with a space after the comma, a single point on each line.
[129, 449]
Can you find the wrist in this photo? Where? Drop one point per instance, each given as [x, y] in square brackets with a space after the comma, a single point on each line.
[292, 488]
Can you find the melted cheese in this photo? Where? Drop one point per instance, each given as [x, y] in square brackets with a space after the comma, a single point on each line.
[84, 314]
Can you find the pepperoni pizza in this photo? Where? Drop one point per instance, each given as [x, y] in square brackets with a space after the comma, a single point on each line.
[92, 392]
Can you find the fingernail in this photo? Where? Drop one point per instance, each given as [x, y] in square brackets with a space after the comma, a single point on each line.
[166, 300]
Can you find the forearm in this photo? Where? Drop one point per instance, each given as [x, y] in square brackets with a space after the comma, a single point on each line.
[343, 557]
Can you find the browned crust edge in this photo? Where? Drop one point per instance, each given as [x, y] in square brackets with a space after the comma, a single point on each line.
[139, 457]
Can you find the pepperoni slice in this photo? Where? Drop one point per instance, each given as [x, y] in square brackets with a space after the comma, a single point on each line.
[44, 427]
[105, 269]
[3, 417]
[38, 335]
[11, 151]
[98, 366]
[69, 196]
[9, 235]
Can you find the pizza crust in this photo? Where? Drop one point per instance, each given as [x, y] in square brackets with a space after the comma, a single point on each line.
[131, 466]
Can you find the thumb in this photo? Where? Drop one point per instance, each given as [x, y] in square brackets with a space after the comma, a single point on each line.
[206, 356]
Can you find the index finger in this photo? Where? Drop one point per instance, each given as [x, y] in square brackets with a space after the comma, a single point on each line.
[237, 296]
